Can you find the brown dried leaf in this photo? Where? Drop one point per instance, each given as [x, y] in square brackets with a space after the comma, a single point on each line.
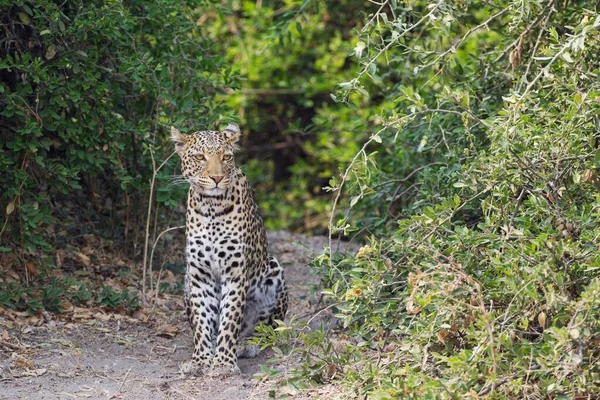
[58, 259]
[141, 315]
[102, 317]
[83, 258]
[30, 372]
[168, 276]
[168, 331]
[31, 268]
[442, 335]
[589, 175]
[10, 208]
[410, 307]
[542, 319]
[67, 307]
[23, 363]
[331, 370]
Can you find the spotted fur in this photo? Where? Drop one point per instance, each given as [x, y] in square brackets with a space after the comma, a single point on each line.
[232, 285]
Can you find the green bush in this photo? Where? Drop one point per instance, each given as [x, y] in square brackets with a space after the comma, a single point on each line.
[477, 196]
[87, 92]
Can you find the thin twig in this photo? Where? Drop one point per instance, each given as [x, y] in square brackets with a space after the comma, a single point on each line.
[154, 247]
[393, 42]
[150, 200]
[527, 29]
[12, 345]
[547, 66]
[455, 46]
[407, 177]
[122, 383]
[535, 47]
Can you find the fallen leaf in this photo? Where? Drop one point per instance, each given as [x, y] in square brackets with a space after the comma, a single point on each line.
[83, 258]
[442, 335]
[58, 259]
[168, 276]
[542, 319]
[102, 317]
[23, 363]
[82, 315]
[31, 268]
[35, 321]
[63, 342]
[29, 372]
[141, 315]
[168, 331]
[67, 307]
[410, 307]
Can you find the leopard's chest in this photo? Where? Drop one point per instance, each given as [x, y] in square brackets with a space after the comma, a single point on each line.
[215, 242]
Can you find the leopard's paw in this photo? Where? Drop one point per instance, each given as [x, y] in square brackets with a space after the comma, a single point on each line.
[223, 371]
[191, 368]
[247, 350]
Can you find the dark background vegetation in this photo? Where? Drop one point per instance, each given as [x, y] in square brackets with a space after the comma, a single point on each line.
[456, 140]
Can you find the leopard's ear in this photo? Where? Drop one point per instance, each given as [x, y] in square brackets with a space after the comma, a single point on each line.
[179, 139]
[232, 133]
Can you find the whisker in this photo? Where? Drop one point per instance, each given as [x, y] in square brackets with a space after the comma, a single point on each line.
[176, 180]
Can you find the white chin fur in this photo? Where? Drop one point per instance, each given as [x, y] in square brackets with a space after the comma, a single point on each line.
[213, 191]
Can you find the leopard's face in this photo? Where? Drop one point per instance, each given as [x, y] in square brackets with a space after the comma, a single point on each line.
[207, 157]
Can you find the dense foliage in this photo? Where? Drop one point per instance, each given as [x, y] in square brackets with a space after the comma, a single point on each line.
[88, 92]
[477, 192]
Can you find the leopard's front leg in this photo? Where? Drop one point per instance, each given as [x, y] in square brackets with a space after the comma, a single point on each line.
[234, 285]
[202, 306]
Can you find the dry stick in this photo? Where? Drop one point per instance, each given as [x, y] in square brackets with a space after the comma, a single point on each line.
[150, 197]
[122, 383]
[158, 282]
[12, 345]
[154, 247]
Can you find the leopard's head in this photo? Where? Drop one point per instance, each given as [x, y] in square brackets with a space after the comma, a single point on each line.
[207, 157]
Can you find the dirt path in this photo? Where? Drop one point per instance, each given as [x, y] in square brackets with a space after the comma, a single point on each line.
[122, 358]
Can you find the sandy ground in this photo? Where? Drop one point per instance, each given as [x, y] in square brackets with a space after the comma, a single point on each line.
[122, 358]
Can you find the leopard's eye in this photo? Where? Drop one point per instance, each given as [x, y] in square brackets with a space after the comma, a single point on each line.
[200, 157]
[227, 157]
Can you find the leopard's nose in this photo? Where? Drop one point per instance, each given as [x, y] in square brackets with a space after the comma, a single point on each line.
[217, 179]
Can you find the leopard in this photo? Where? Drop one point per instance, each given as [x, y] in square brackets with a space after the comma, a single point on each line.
[232, 284]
